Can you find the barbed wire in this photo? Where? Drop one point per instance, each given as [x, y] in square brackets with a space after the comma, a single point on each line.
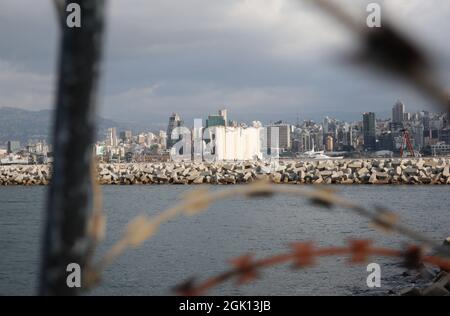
[304, 254]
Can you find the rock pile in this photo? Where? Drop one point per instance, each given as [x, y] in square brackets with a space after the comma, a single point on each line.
[25, 175]
[389, 171]
[440, 280]
[440, 286]
[361, 171]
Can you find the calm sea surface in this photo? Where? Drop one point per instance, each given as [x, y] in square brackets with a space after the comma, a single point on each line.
[202, 245]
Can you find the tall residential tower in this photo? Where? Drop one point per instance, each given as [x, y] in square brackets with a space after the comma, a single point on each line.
[369, 131]
[174, 121]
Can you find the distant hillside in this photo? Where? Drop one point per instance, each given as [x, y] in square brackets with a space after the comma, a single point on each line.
[22, 125]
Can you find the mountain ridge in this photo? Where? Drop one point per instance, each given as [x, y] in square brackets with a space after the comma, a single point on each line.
[23, 125]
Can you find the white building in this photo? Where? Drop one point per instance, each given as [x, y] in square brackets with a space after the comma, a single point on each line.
[111, 137]
[232, 143]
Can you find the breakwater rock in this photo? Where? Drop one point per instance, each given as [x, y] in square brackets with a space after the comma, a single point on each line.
[439, 281]
[25, 175]
[359, 171]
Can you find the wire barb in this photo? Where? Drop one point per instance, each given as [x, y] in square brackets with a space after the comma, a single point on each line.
[304, 254]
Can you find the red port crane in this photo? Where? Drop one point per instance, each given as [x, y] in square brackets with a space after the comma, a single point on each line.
[406, 142]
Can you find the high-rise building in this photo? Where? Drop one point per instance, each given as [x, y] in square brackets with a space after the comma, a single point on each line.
[12, 146]
[142, 138]
[398, 113]
[223, 113]
[369, 131]
[162, 139]
[126, 135]
[326, 125]
[386, 141]
[306, 141]
[329, 143]
[406, 116]
[111, 137]
[217, 119]
[284, 135]
[417, 136]
[350, 136]
[174, 122]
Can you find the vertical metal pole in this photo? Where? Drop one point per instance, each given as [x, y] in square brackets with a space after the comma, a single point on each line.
[68, 206]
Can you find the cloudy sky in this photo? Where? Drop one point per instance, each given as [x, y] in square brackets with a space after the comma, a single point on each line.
[262, 59]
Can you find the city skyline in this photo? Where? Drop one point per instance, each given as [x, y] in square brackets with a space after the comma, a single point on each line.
[420, 132]
[354, 118]
[398, 110]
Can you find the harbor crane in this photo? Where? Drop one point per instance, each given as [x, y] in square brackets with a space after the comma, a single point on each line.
[406, 142]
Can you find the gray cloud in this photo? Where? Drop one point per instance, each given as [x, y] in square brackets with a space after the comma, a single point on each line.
[263, 60]
[25, 89]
